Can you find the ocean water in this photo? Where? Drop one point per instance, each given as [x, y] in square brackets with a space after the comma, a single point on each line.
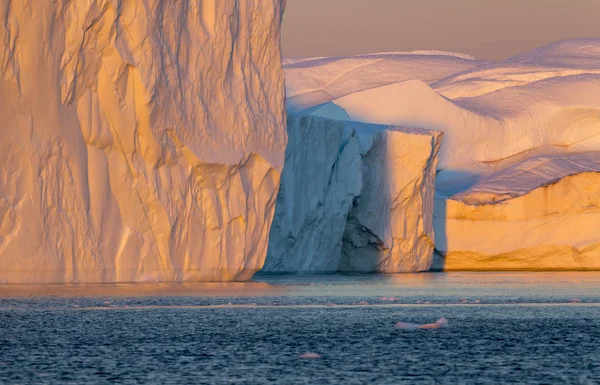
[533, 328]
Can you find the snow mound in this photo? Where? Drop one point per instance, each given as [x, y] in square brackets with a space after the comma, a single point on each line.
[561, 59]
[122, 158]
[571, 53]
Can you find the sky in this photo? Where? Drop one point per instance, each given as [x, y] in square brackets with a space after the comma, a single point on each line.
[486, 29]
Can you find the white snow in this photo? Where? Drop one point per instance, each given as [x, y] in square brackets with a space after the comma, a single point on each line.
[490, 113]
[354, 198]
[139, 141]
[314, 81]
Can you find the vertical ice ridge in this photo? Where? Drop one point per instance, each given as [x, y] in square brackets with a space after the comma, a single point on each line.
[131, 135]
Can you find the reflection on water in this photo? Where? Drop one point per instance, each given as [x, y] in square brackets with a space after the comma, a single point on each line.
[199, 289]
[482, 284]
[502, 328]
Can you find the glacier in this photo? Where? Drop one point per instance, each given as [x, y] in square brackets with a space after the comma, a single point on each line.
[354, 198]
[141, 140]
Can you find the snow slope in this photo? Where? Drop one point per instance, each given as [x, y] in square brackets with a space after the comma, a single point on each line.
[354, 198]
[121, 157]
[494, 114]
[553, 114]
[314, 81]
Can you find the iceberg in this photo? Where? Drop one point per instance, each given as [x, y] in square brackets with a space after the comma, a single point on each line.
[540, 214]
[141, 140]
[494, 114]
[518, 136]
[441, 323]
[354, 198]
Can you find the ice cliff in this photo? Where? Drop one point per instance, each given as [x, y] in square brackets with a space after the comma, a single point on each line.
[540, 214]
[140, 139]
[354, 197]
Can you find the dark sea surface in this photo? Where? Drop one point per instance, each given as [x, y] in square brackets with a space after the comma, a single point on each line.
[521, 328]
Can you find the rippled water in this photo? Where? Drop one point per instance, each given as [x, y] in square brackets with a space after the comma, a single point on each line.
[503, 328]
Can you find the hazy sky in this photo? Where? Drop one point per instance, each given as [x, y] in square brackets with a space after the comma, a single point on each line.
[486, 29]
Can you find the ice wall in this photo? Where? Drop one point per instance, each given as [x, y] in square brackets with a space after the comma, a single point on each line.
[140, 139]
[354, 197]
[540, 214]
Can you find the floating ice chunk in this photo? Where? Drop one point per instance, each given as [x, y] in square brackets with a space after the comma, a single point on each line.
[442, 322]
[310, 355]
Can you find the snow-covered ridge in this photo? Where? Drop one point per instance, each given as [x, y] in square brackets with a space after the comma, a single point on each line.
[294, 61]
[490, 113]
[571, 53]
[527, 176]
[310, 82]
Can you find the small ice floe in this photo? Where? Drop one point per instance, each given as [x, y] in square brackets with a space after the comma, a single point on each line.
[310, 356]
[441, 323]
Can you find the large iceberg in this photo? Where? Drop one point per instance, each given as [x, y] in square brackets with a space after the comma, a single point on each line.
[531, 111]
[140, 140]
[355, 198]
